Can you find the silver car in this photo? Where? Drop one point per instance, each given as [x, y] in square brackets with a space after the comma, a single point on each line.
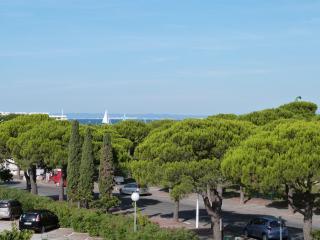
[133, 187]
[10, 209]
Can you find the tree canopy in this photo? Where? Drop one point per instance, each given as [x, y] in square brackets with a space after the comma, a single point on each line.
[288, 154]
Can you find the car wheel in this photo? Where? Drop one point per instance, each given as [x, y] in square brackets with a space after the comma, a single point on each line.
[264, 237]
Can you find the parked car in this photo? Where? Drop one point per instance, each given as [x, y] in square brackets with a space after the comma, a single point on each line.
[133, 187]
[10, 209]
[118, 179]
[266, 228]
[38, 220]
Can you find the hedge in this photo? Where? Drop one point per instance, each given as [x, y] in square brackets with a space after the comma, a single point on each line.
[15, 234]
[96, 223]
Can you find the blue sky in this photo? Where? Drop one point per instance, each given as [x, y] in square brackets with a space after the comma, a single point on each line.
[158, 56]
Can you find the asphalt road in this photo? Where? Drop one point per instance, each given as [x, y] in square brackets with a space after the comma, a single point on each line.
[235, 216]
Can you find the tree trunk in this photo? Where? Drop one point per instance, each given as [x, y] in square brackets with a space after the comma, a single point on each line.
[18, 172]
[84, 204]
[61, 187]
[217, 233]
[176, 211]
[213, 203]
[290, 200]
[307, 221]
[33, 180]
[28, 184]
[241, 195]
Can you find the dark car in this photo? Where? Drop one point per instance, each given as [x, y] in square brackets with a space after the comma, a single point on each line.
[10, 209]
[266, 228]
[38, 220]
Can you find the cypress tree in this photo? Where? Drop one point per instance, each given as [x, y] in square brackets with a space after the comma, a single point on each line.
[106, 168]
[86, 180]
[74, 157]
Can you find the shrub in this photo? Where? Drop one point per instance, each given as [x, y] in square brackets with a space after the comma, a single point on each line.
[316, 235]
[5, 175]
[95, 222]
[105, 203]
[15, 234]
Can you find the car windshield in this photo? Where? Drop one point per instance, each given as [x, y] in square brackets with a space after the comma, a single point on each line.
[29, 216]
[131, 185]
[3, 205]
[275, 224]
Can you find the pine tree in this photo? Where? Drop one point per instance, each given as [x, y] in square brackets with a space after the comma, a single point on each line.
[86, 180]
[106, 168]
[74, 157]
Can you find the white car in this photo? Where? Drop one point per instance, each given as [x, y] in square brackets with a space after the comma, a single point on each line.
[118, 179]
[133, 187]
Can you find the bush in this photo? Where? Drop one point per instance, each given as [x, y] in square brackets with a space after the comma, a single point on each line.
[95, 222]
[5, 175]
[105, 203]
[316, 235]
[15, 234]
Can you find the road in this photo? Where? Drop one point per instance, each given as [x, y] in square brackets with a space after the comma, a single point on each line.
[235, 216]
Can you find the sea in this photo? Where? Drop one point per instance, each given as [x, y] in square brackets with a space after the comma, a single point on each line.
[96, 118]
[98, 121]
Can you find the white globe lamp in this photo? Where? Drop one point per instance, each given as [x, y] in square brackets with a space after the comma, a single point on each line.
[135, 197]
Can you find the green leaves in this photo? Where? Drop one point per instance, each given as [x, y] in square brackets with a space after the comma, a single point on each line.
[86, 170]
[193, 140]
[74, 157]
[106, 169]
[288, 154]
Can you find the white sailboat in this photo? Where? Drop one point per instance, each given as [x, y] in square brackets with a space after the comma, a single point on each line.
[106, 119]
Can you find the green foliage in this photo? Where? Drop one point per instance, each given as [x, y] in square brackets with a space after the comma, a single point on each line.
[15, 234]
[182, 188]
[160, 124]
[301, 108]
[105, 203]
[4, 118]
[96, 223]
[74, 156]
[145, 172]
[86, 179]
[106, 168]
[266, 116]
[296, 110]
[120, 146]
[135, 131]
[5, 175]
[223, 116]
[316, 235]
[287, 154]
[193, 140]
[11, 130]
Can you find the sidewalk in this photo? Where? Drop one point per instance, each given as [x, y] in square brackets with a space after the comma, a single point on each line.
[57, 234]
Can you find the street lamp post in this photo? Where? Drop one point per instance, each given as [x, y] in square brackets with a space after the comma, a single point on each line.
[135, 197]
[280, 223]
[197, 212]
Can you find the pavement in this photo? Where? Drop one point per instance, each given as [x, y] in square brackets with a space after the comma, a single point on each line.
[158, 207]
[57, 234]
